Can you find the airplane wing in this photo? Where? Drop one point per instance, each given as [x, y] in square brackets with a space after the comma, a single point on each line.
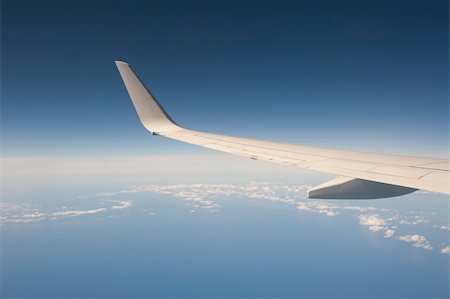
[360, 175]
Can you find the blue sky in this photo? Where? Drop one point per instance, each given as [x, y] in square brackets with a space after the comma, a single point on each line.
[364, 75]
[93, 206]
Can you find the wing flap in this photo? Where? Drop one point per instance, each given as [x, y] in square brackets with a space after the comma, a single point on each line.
[401, 171]
[435, 166]
[350, 188]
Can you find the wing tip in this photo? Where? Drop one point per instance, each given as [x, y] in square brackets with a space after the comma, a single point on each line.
[120, 62]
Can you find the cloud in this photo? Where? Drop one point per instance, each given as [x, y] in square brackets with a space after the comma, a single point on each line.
[415, 221]
[389, 233]
[417, 240]
[207, 196]
[374, 222]
[371, 220]
[78, 212]
[446, 250]
[24, 218]
[211, 197]
[26, 213]
[122, 204]
[20, 213]
[34, 215]
[318, 207]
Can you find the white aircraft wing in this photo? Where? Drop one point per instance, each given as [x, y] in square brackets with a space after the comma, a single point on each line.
[361, 175]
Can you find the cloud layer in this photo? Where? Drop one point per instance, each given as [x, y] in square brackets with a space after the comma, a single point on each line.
[211, 198]
[375, 219]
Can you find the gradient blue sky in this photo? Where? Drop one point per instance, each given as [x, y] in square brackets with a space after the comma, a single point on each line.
[93, 206]
[364, 75]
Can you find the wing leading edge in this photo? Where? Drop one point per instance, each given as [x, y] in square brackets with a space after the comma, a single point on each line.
[362, 175]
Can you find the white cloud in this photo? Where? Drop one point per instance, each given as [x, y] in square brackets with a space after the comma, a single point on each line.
[34, 215]
[328, 212]
[25, 213]
[417, 240]
[318, 207]
[445, 226]
[326, 209]
[446, 250]
[20, 213]
[122, 204]
[22, 219]
[389, 233]
[78, 212]
[207, 196]
[370, 220]
[374, 222]
[415, 221]
[211, 197]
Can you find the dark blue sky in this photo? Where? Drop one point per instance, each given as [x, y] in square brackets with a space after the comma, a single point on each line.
[364, 75]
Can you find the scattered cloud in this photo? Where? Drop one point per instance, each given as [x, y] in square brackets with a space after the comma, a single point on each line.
[20, 213]
[374, 222]
[389, 233]
[446, 250]
[26, 213]
[207, 196]
[414, 221]
[122, 204]
[78, 212]
[212, 196]
[388, 222]
[417, 241]
[318, 207]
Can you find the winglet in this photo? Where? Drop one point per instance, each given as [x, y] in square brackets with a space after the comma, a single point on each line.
[150, 112]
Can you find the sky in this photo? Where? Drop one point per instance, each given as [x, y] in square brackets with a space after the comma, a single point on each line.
[94, 206]
[362, 75]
